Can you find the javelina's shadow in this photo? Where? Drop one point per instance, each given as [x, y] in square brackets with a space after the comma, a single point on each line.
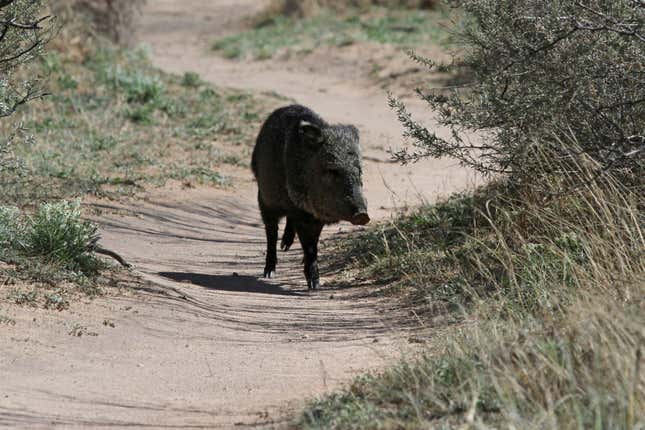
[236, 283]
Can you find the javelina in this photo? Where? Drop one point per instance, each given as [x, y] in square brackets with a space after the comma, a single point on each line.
[310, 172]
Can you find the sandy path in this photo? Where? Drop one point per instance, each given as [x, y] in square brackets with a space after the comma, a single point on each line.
[209, 344]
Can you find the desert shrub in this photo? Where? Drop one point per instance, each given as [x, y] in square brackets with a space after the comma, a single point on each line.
[539, 71]
[546, 289]
[23, 35]
[533, 246]
[58, 232]
[191, 80]
[55, 233]
[137, 86]
[46, 256]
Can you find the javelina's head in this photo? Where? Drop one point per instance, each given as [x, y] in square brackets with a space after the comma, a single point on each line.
[334, 173]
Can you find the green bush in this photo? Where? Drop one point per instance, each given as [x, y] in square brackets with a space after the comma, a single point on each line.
[140, 114]
[537, 71]
[23, 36]
[136, 85]
[55, 233]
[191, 80]
[58, 232]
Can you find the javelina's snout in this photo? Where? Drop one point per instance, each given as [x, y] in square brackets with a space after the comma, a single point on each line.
[358, 208]
[360, 218]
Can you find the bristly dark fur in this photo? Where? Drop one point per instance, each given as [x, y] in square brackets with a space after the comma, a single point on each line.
[310, 172]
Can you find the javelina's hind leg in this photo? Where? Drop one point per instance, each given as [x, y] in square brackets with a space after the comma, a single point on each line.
[308, 233]
[288, 236]
[271, 229]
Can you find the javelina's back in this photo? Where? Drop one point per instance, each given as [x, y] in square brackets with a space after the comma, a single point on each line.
[268, 160]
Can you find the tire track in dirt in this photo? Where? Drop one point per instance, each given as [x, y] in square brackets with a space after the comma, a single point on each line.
[207, 344]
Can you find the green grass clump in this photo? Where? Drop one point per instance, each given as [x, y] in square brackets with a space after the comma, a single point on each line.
[115, 125]
[191, 79]
[137, 85]
[398, 27]
[47, 255]
[539, 292]
[55, 233]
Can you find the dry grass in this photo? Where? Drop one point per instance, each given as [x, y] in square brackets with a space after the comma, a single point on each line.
[550, 279]
[115, 125]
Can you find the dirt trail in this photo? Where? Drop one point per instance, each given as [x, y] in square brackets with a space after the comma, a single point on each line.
[331, 85]
[208, 344]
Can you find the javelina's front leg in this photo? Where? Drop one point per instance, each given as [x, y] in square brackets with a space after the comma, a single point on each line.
[288, 236]
[271, 229]
[309, 233]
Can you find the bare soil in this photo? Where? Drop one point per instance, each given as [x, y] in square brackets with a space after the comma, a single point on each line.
[205, 342]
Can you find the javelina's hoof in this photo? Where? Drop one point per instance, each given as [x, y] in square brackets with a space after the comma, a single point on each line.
[285, 245]
[313, 284]
[269, 271]
[270, 265]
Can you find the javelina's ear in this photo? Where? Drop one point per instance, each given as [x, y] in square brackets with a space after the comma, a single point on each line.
[311, 132]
